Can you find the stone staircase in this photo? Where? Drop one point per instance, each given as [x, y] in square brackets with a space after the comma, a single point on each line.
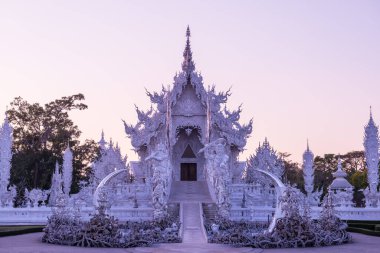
[210, 210]
[189, 191]
[191, 195]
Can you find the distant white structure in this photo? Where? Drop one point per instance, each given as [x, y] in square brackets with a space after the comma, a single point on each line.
[341, 189]
[56, 185]
[371, 149]
[308, 174]
[260, 189]
[110, 160]
[67, 170]
[267, 159]
[6, 139]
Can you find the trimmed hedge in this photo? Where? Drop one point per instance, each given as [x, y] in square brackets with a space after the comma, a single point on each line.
[363, 231]
[19, 230]
[364, 227]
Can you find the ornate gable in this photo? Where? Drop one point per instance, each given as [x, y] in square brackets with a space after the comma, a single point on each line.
[186, 105]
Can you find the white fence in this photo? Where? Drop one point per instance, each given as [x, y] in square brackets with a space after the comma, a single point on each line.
[344, 213]
[39, 215]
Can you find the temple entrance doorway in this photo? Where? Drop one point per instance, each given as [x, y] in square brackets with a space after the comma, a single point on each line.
[188, 172]
[187, 162]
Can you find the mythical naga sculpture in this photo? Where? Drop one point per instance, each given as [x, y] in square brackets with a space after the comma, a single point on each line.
[218, 173]
[161, 179]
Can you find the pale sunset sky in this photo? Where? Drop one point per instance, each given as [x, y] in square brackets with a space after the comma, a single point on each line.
[301, 69]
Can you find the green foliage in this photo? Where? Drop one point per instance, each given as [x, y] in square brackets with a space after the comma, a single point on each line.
[293, 173]
[41, 134]
[353, 164]
[324, 166]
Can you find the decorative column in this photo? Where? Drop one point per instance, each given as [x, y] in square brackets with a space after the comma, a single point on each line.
[5, 157]
[56, 186]
[67, 170]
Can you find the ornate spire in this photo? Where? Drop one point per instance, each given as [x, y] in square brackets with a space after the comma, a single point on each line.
[188, 64]
[6, 140]
[67, 170]
[102, 143]
[371, 149]
[370, 122]
[308, 171]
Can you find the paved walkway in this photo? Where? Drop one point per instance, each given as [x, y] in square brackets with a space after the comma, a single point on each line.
[31, 243]
[193, 231]
[191, 194]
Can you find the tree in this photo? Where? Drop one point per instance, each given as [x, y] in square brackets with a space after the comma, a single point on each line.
[41, 134]
[293, 173]
[323, 169]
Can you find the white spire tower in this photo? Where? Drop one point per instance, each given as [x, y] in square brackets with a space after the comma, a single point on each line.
[56, 185]
[308, 175]
[6, 140]
[371, 147]
[308, 171]
[67, 170]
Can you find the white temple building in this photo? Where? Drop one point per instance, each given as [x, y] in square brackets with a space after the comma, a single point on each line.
[188, 144]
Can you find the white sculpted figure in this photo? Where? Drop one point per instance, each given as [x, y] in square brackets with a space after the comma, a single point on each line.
[161, 179]
[36, 196]
[218, 173]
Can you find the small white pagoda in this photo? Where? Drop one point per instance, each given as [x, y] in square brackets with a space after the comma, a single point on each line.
[341, 189]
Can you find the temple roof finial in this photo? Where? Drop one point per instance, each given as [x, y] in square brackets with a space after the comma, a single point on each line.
[188, 64]
[188, 32]
[102, 142]
[371, 123]
[307, 144]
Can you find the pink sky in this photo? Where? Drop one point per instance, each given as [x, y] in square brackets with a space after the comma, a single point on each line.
[301, 69]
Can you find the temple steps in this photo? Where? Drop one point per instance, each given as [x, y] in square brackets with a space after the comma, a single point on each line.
[189, 191]
[191, 195]
[210, 210]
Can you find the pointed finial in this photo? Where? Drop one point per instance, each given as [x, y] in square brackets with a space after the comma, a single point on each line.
[370, 111]
[188, 64]
[188, 31]
[307, 144]
[102, 142]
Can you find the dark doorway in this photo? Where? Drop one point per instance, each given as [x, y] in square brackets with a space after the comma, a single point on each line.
[188, 153]
[188, 172]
